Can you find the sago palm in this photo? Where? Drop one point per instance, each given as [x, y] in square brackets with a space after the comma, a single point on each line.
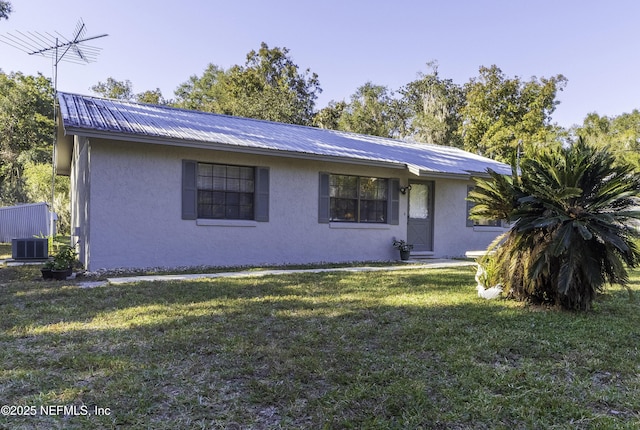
[574, 217]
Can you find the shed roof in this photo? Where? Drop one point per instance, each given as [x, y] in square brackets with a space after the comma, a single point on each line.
[124, 120]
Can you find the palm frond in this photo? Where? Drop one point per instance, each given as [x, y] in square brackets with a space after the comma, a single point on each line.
[575, 223]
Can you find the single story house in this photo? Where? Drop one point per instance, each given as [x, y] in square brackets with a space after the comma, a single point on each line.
[155, 186]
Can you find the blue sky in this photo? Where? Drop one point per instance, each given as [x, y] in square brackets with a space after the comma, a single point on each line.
[160, 43]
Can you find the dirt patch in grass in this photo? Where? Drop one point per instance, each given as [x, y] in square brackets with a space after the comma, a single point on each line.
[30, 273]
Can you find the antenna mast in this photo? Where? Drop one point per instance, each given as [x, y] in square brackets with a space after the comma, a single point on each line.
[58, 48]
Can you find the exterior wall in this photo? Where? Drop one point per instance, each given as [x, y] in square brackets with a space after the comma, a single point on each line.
[135, 210]
[133, 218]
[80, 182]
[452, 236]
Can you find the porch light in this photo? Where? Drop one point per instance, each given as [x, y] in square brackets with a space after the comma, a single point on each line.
[404, 190]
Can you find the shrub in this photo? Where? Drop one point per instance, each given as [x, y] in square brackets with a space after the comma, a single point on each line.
[574, 223]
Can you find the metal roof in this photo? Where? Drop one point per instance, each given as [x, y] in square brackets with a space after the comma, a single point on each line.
[124, 120]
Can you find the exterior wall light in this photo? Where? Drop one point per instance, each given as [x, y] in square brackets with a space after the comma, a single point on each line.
[404, 190]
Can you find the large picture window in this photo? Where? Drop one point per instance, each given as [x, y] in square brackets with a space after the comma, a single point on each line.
[225, 192]
[358, 199]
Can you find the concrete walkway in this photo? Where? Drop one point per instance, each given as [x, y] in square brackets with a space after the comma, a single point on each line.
[411, 264]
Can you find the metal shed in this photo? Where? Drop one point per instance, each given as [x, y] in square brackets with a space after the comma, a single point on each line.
[24, 221]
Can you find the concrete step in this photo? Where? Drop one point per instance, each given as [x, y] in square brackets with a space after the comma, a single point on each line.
[422, 256]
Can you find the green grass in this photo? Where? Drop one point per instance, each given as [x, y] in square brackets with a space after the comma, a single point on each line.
[384, 350]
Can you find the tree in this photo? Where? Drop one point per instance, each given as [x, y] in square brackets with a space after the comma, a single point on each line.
[5, 9]
[113, 89]
[620, 134]
[374, 111]
[26, 130]
[26, 135]
[502, 113]
[123, 90]
[37, 182]
[269, 86]
[574, 225]
[329, 116]
[434, 105]
[206, 93]
[152, 97]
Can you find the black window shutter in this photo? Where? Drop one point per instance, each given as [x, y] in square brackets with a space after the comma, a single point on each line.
[393, 211]
[323, 199]
[261, 202]
[189, 189]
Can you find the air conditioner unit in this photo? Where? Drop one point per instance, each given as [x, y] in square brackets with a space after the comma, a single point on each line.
[30, 249]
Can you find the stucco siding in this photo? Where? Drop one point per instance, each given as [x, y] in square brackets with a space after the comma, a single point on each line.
[136, 221]
[452, 237]
[80, 195]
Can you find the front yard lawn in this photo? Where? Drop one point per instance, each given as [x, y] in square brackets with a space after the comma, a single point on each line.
[405, 349]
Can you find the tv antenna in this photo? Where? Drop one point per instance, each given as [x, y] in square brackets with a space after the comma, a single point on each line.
[58, 48]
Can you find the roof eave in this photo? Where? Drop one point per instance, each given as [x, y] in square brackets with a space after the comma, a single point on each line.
[63, 149]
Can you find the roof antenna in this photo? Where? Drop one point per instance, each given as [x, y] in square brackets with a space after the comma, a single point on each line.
[58, 48]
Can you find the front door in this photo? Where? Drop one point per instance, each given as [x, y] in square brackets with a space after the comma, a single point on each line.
[420, 216]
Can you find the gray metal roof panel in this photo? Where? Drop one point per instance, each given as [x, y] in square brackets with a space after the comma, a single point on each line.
[128, 118]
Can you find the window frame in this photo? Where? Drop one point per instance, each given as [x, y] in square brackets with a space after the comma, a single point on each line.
[358, 200]
[483, 223]
[391, 209]
[261, 188]
[234, 200]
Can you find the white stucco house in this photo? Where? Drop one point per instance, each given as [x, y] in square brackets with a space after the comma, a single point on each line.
[154, 186]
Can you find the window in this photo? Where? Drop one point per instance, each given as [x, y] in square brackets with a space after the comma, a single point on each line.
[479, 222]
[357, 199]
[224, 192]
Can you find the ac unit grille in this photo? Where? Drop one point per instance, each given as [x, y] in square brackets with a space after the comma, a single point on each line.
[29, 249]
